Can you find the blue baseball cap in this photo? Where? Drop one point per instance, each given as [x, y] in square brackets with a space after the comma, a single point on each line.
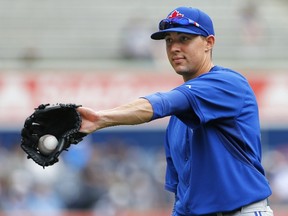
[185, 20]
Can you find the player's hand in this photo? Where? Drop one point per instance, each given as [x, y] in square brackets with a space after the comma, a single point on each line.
[90, 120]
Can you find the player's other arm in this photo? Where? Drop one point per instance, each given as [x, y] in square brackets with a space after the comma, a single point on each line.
[135, 112]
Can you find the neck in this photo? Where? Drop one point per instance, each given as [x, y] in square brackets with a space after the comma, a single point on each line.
[200, 71]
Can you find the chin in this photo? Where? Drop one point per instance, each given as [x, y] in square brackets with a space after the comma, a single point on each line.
[181, 71]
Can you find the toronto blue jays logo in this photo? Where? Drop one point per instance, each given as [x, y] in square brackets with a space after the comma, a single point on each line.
[174, 14]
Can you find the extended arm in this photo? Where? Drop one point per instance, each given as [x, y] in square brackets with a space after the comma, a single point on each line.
[136, 112]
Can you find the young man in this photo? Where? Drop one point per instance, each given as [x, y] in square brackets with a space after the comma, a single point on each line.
[213, 146]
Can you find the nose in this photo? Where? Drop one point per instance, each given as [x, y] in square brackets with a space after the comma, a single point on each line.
[174, 47]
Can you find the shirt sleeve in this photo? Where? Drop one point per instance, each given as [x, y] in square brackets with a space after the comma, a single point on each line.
[211, 96]
[215, 96]
[169, 103]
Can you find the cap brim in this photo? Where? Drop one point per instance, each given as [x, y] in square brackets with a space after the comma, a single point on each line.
[161, 34]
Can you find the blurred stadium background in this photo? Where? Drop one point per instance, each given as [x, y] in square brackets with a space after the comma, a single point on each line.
[99, 54]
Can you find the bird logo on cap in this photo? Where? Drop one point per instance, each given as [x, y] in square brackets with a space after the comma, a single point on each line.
[174, 14]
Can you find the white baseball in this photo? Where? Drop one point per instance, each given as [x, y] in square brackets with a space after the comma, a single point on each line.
[47, 144]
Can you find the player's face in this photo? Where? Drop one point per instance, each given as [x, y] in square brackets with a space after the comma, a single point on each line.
[188, 54]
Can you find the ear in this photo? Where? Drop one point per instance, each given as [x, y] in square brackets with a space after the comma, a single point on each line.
[210, 41]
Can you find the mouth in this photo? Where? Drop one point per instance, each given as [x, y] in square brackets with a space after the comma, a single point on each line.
[178, 59]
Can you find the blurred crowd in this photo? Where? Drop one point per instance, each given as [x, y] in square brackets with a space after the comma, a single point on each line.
[103, 178]
[275, 162]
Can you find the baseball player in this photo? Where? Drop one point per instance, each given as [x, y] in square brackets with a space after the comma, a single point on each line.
[213, 146]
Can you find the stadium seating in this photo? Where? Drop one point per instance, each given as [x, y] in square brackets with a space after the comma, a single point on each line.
[88, 30]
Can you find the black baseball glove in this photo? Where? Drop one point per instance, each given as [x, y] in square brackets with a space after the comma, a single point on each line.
[60, 120]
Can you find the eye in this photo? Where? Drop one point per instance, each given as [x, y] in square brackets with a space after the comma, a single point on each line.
[168, 40]
[184, 38]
